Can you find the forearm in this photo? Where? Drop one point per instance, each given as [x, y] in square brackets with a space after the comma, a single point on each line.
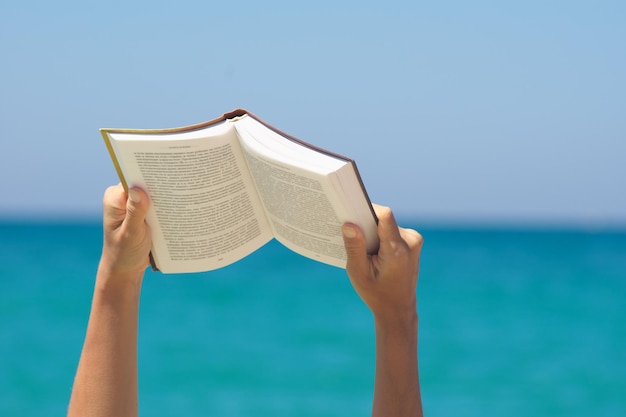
[396, 387]
[106, 379]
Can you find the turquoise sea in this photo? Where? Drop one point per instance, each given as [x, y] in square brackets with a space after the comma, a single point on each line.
[513, 322]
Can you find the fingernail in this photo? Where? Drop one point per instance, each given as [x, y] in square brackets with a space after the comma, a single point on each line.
[134, 196]
[348, 231]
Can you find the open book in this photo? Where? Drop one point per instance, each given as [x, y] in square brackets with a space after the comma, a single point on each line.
[220, 190]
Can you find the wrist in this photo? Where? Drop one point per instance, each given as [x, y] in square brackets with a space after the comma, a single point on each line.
[399, 311]
[403, 322]
[115, 282]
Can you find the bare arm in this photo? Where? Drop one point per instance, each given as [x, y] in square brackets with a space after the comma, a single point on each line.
[106, 379]
[387, 283]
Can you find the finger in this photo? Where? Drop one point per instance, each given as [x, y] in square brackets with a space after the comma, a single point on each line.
[114, 206]
[388, 231]
[356, 250]
[414, 240]
[136, 210]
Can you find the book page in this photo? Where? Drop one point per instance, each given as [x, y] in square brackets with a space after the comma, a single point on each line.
[299, 210]
[204, 211]
[301, 193]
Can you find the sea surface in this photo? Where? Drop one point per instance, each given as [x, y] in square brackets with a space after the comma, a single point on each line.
[513, 322]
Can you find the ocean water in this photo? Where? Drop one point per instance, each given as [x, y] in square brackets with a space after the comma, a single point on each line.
[512, 323]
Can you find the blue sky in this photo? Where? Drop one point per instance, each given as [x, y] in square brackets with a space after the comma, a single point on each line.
[486, 111]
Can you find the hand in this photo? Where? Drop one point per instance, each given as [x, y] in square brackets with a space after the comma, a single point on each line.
[127, 238]
[386, 281]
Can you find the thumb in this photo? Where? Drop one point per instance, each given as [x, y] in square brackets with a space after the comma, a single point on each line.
[356, 249]
[136, 209]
